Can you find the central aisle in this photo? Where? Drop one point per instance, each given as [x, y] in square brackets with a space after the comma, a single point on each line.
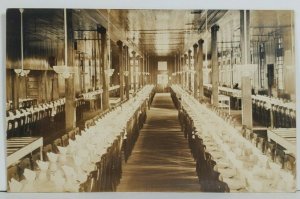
[161, 159]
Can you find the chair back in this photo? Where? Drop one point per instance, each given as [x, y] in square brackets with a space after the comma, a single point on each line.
[34, 157]
[13, 172]
[57, 143]
[71, 134]
[65, 140]
[77, 131]
[24, 164]
[46, 149]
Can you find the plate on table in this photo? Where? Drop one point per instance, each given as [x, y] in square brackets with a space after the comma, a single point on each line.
[235, 184]
[227, 172]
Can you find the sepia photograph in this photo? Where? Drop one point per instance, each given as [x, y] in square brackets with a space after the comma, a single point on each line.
[150, 100]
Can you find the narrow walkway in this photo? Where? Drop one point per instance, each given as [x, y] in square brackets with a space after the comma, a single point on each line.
[161, 160]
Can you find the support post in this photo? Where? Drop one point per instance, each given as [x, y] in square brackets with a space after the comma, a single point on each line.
[105, 66]
[121, 69]
[70, 106]
[196, 70]
[215, 66]
[200, 69]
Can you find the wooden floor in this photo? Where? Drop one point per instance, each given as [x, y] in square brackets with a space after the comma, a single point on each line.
[161, 160]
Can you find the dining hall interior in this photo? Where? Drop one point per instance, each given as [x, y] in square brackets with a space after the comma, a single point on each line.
[136, 100]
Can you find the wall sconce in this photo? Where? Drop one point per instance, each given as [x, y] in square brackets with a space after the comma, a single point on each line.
[21, 72]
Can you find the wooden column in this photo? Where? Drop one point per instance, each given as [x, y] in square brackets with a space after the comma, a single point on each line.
[144, 70]
[127, 78]
[245, 38]
[175, 70]
[99, 57]
[121, 69]
[196, 68]
[15, 90]
[134, 71]
[200, 69]
[182, 63]
[140, 72]
[55, 89]
[189, 71]
[246, 102]
[95, 64]
[185, 71]
[105, 67]
[215, 66]
[148, 69]
[179, 69]
[70, 106]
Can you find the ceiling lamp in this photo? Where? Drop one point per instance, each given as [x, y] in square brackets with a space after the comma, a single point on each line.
[65, 70]
[21, 72]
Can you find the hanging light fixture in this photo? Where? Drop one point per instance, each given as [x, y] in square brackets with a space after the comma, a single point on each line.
[65, 70]
[21, 72]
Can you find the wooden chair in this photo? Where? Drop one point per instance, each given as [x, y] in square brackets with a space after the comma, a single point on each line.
[71, 134]
[290, 163]
[90, 185]
[13, 172]
[77, 131]
[34, 157]
[57, 143]
[10, 128]
[24, 164]
[261, 144]
[65, 140]
[46, 149]
[279, 157]
[270, 149]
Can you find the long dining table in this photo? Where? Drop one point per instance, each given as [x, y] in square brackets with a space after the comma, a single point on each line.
[91, 162]
[254, 169]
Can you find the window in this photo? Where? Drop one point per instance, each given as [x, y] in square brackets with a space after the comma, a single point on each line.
[162, 65]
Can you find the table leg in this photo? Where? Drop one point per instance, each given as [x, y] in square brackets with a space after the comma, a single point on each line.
[41, 153]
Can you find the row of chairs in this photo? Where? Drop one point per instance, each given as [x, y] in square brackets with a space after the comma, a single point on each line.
[132, 130]
[282, 118]
[37, 122]
[63, 141]
[210, 180]
[28, 125]
[108, 172]
[22, 104]
[109, 169]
